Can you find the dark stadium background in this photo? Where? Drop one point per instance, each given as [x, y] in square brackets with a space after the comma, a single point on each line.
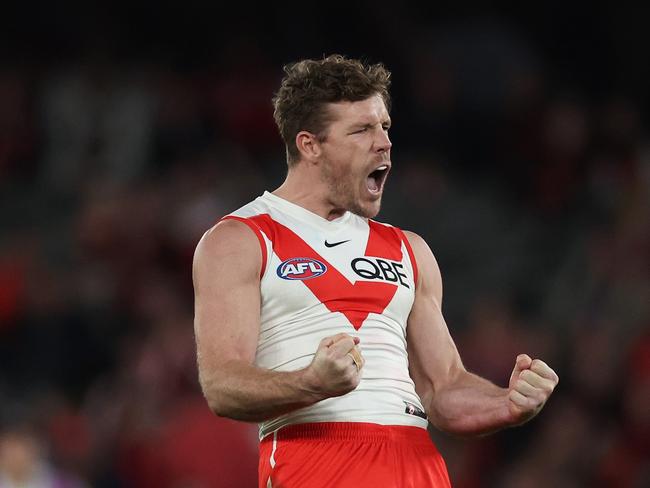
[521, 153]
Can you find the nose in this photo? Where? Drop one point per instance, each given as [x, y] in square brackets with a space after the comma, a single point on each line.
[382, 141]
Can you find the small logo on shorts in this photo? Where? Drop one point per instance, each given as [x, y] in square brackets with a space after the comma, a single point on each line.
[413, 410]
[301, 269]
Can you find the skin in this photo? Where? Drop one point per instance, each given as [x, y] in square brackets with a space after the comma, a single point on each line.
[20, 456]
[331, 176]
[329, 179]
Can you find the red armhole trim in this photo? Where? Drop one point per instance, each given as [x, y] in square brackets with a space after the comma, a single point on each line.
[414, 263]
[258, 232]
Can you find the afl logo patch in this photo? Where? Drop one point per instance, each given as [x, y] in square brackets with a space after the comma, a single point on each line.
[301, 269]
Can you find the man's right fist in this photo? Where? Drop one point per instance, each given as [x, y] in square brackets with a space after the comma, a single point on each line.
[336, 367]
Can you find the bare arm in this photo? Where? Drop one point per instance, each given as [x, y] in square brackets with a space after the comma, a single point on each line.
[226, 274]
[456, 400]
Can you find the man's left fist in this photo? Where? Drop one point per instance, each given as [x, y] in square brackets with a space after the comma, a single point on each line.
[531, 383]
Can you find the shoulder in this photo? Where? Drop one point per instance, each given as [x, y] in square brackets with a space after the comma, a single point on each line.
[429, 277]
[227, 234]
[229, 243]
[416, 240]
[420, 247]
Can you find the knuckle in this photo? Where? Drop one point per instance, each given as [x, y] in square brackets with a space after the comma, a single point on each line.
[530, 376]
[534, 399]
[343, 337]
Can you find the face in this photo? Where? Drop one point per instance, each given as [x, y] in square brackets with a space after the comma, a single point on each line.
[355, 157]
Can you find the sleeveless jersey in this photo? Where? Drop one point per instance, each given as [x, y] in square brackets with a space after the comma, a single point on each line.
[320, 278]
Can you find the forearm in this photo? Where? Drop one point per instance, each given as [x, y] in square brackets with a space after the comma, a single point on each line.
[469, 405]
[242, 391]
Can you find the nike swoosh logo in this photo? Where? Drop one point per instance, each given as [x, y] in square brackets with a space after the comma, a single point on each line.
[333, 244]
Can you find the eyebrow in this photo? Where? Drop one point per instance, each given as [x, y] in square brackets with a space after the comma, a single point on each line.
[368, 125]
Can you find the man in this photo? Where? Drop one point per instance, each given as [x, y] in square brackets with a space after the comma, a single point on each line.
[325, 326]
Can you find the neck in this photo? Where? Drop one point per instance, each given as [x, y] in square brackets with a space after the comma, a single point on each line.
[304, 187]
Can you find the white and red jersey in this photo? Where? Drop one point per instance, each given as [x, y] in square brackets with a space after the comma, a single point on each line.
[320, 278]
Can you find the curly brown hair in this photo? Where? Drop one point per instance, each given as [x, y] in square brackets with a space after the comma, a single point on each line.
[309, 85]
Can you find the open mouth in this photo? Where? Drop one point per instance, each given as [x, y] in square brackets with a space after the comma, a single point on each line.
[375, 180]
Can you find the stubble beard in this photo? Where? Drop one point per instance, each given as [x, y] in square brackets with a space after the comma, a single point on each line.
[343, 193]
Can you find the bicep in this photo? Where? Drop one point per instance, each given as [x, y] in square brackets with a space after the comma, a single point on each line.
[226, 271]
[433, 357]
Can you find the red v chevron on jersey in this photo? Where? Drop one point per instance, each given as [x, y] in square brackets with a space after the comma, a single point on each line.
[332, 289]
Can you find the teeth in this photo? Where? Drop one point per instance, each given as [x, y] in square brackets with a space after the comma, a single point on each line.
[382, 168]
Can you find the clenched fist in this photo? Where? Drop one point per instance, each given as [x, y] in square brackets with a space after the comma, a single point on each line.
[531, 384]
[336, 367]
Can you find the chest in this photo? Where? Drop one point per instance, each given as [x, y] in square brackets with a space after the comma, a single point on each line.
[357, 271]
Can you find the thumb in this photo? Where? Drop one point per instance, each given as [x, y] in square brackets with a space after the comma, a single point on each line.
[522, 363]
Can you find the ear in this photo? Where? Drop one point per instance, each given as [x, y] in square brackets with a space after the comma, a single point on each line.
[308, 146]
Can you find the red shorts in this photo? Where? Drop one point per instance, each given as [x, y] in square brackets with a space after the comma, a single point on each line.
[350, 454]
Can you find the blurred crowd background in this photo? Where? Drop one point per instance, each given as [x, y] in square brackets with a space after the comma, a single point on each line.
[521, 153]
